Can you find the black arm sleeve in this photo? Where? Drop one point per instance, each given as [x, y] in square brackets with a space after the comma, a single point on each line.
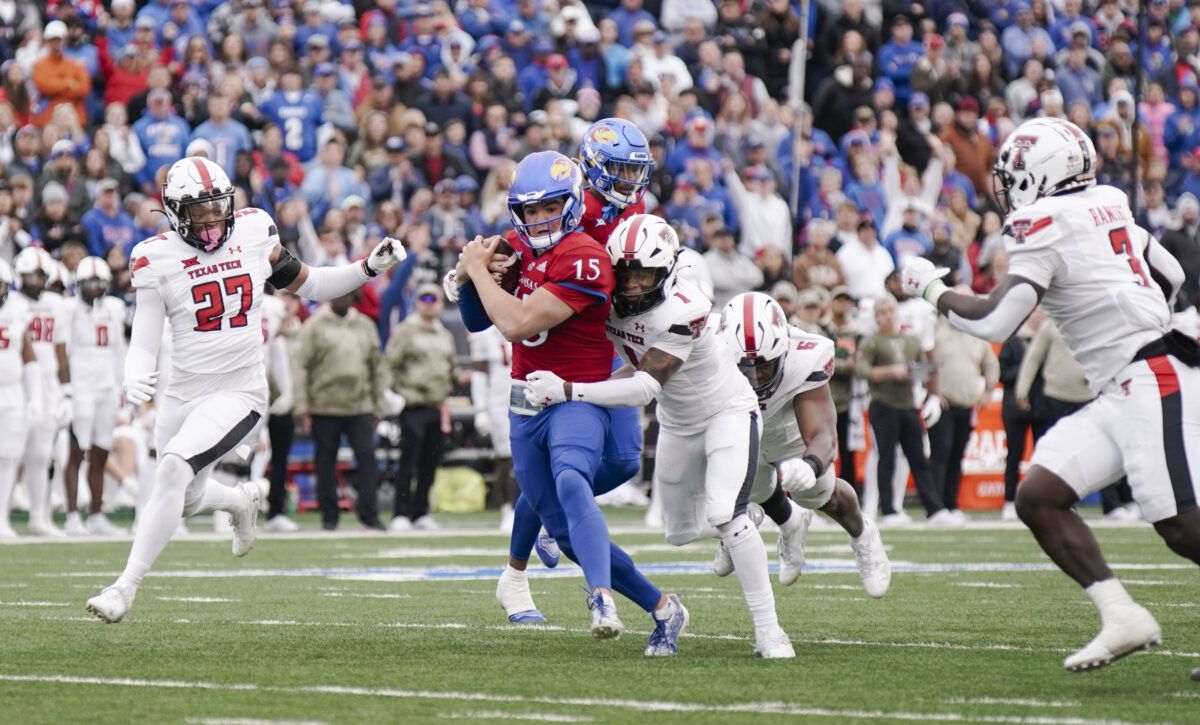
[285, 270]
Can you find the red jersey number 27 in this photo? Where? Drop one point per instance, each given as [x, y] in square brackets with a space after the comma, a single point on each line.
[211, 295]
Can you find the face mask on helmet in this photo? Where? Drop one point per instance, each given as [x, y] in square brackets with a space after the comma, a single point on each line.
[541, 223]
[206, 223]
[622, 182]
[3, 293]
[764, 375]
[33, 283]
[1001, 182]
[92, 289]
[638, 289]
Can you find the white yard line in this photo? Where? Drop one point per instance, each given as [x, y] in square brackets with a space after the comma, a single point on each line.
[1023, 702]
[26, 603]
[988, 585]
[248, 721]
[639, 706]
[502, 715]
[366, 595]
[198, 600]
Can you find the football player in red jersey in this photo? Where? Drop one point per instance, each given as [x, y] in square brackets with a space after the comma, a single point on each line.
[616, 159]
[555, 318]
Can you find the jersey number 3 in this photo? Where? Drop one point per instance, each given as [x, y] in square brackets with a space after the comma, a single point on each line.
[212, 299]
[1121, 245]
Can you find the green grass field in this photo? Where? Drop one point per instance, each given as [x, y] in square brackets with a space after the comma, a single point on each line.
[357, 628]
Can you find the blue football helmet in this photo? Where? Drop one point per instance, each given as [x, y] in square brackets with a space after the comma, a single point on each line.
[541, 176]
[616, 158]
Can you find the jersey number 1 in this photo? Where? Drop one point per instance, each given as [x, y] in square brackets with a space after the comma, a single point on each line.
[209, 294]
[1121, 245]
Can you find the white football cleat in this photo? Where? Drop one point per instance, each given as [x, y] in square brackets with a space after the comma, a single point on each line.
[111, 604]
[399, 524]
[99, 525]
[943, 519]
[873, 566]
[774, 644]
[1009, 512]
[222, 522]
[1131, 630]
[44, 527]
[73, 526]
[6, 531]
[515, 597]
[896, 520]
[245, 519]
[426, 523]
[791, 543]
[605, 623]
[281, 524]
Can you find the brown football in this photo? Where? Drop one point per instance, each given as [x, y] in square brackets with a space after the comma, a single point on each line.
[511, 271]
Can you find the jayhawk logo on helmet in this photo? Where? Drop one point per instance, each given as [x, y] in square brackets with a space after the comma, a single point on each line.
[605, 135]
[561, 169]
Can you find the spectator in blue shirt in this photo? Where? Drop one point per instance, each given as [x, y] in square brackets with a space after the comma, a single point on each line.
[1064, 25]
[1078, 81]
[1018, 39]
[108, 225]
[327, 182]
[120, 28]
[80, 48]
[1179, 136]
[314, 24]
[163, 135]
[898, 58]
[479, 19]
[297, 113]
[910, 240]
[697, 144]
[626, 17]
[227, 135]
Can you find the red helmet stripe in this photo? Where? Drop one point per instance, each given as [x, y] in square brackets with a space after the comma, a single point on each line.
[631, 238]
[748, 325]
[205, 177]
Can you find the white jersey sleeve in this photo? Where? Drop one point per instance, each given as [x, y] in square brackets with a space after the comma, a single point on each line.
[1086, 252]
[707, 383]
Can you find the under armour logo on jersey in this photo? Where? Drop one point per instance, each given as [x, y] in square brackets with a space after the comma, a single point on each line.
[237, 249]
[639, 327]
[193, 262]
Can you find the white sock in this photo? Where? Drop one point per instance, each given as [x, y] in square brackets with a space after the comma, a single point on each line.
[749, 556]
[516, 584]
[1109, 596]
[8, 479]
[37, 481]
[665, 612]
[157, 520]
[793, 520]
[219, 497]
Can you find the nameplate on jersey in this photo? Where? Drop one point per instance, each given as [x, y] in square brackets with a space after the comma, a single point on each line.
[196, 272]
[617, 332]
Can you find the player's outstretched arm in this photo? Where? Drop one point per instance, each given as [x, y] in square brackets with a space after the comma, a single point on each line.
[994, 317]
[327, 283]
[148, 318]
[637, 390]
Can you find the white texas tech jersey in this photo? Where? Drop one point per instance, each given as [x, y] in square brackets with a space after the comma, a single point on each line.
[47, 327]
[489, 346]
[95, 339]
[213, 300]
[809, 365]
[708, 383]
[1086, 252]
[14, 321]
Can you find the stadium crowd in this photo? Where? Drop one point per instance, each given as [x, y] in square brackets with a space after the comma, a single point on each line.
[352, 121]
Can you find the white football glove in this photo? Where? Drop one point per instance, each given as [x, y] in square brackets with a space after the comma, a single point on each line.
[796, 476]
[393, 402]
[450, 287]
[545, 389]
[483, 424]
[66, 409]
[141, 389]
[920, 278]
[388, 431]
[385, 255]
[931, 410]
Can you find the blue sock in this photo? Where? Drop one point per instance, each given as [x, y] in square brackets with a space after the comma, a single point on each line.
[632, 583]
[586, 527]
[626, 579]
[612, 473]
[526, 525]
